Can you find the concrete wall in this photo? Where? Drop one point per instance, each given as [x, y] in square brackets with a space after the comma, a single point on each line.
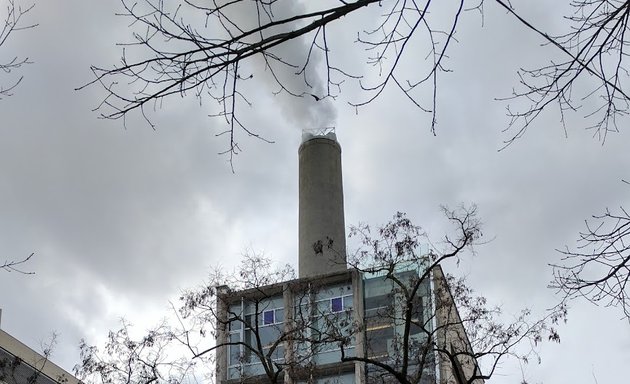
[451, 336]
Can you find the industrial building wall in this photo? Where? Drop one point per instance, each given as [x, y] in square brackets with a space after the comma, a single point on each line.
[321, 299]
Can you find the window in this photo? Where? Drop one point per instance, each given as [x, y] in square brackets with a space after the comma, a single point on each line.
[385, 310]
[418, 321]
[235, 324]
[378, 339]
[336, 304]
[235, 349]
[268, 317]
[339, 304]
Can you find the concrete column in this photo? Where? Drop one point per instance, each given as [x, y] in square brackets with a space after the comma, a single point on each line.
[222, 307]
[359, 317]
[322, 234]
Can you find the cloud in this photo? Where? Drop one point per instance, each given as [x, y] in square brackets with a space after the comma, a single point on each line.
[121, 219]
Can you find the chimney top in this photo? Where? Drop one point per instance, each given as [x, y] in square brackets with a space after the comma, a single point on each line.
[327, 132]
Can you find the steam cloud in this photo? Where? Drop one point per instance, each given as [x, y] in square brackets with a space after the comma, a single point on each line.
[312, 109]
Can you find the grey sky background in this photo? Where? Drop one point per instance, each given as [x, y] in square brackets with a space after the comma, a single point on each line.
[121, 220]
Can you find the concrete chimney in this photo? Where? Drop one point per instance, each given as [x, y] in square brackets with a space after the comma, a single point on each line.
[322, 233]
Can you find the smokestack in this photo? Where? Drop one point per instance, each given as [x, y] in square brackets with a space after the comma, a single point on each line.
[322, 233]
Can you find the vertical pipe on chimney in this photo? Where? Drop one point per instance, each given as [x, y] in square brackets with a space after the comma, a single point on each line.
[322, 235]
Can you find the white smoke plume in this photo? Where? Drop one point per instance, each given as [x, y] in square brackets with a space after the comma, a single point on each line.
[311, 109]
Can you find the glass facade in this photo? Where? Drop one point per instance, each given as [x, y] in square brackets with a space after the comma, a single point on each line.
[391, 314]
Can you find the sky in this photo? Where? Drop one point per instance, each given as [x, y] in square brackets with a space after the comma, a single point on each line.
[122, 218]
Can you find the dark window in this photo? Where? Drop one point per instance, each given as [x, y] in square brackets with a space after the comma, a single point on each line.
[268, 317]
[336, 304]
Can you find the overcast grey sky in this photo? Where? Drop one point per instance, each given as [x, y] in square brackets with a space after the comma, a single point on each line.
[121, 219]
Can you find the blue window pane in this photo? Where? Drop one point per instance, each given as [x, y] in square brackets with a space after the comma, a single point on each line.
[268, 317]
[336, 304]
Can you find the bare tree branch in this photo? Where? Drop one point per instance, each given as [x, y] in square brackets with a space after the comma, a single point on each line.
[176, 52]
[211, 50]
[12, 23]
[599, 268]
[16, 265]
[593, 72]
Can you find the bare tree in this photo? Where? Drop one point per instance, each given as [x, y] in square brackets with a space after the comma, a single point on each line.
[212, 51]
[599, 268]
[125, 359]
[12, 23]
[424, 317]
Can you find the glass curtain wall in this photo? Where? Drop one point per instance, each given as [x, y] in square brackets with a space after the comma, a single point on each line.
[385, 305]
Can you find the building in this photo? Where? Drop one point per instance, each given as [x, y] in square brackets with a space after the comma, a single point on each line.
[20, 364]
[336, 324]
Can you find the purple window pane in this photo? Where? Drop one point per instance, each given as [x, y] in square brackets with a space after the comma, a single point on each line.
[336, 304]
[268, 317]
